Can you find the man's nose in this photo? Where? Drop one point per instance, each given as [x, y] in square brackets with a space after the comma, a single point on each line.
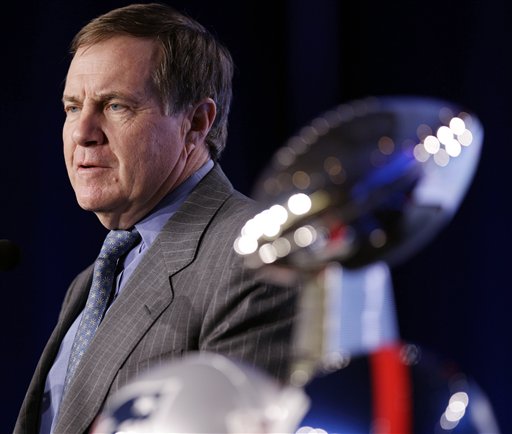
[88, 131]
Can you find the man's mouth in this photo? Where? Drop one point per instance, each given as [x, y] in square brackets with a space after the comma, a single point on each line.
[87, 167]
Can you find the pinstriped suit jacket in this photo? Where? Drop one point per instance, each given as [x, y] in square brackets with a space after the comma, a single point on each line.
[190, 292]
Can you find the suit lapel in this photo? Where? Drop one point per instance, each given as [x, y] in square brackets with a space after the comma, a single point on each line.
[28, 419]
[146, 295]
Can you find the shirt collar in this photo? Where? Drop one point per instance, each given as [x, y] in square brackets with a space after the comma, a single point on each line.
[151, 225]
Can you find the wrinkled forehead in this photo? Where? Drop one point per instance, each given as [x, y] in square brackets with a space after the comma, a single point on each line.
[121, 62]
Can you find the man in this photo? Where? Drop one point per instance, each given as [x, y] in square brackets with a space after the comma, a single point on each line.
[146, 98]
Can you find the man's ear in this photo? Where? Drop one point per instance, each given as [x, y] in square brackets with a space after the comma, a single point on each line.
[201, 118]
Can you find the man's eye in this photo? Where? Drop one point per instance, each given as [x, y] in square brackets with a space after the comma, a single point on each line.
[71, 109]
[115, 107]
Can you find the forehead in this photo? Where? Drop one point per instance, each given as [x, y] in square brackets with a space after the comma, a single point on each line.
[118, 62]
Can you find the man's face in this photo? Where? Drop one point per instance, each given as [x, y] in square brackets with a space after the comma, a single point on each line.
[122, 153]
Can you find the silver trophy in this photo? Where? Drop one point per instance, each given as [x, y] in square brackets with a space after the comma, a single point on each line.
[359, 190]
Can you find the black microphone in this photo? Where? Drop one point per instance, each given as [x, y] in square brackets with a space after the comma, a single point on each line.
[10, 255]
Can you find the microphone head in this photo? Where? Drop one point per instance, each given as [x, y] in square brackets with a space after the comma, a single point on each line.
[10, 255]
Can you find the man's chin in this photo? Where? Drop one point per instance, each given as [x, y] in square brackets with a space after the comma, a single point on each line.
[88, 206]
[113, 214]
[109, 217]
[101, 210]
[95, 204]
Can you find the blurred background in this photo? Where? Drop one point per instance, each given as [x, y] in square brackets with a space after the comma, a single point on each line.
[295, 60]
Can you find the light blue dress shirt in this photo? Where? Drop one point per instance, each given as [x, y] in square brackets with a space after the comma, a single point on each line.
[148, 228]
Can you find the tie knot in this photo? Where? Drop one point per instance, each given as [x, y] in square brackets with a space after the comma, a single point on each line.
[117, 243]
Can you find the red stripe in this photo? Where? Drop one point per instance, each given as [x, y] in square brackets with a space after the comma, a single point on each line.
[392, 397]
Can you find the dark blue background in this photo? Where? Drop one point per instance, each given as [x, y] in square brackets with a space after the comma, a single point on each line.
[295, 59]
